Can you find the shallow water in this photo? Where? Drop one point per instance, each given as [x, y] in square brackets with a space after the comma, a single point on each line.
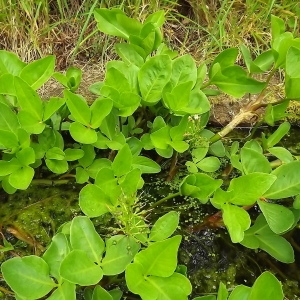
[30, 218]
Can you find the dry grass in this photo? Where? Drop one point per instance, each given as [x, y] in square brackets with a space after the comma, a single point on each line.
[202, 27]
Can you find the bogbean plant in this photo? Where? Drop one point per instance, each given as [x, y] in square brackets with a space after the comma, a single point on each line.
[147, 101]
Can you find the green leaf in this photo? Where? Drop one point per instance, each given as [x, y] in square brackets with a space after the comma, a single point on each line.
[21, 178]
[198, 103]
[82, 134]
[123, 161]
[280, 47]
[217, 148]
[38, 72]
[30, 122]
[240, 292]
[95, 88]
[281, 153]
[278, 217]
[237, 220]
[200, 186]
[7, 86]
[78, 268]
[261, 236]
[89, 155]
[157, 18]
[65, 291]
[145, 164]
[73, 154]
[26, 156]
[164, 226]
[74, 76]
[183, 70]
[10, 63]
[137, 283]
[7, 187]
[98, 164]
[209, 164]
[191, 167]
[55, 153]
[249, 188]
[62, 79]
[287, 183]
[222, 292]
[292, 79]
[226, 58]
[107, 181]
[78, 107]
[47, 139]
[131, 182]
[100, 108]
[253, 161]
[101, 293]
[57, 166]
[93, 201]
[296, 203]
[115, 22]
[179, 96]
[279, 133]
[235, 81]
[130, 54]
[120, 251]
[28, 276]
[82, 175]
[8, 139]
[160, 258]
[8, 119]
[200, 152]
[263, 62]
[83, 236]
[152, 78]
[161, 138]
[52, 106]
[176, 286]
[201, 75]
[56, 252]
[277, 26]
[116, 294]
[209, 297]
[259, 290]
[246, 56]
[28, 99]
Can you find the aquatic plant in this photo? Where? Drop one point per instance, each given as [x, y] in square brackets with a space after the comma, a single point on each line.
[144, 115]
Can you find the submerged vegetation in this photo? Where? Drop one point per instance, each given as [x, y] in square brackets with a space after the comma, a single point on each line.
[150, 117]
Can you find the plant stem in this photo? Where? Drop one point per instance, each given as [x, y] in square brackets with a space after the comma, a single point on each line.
[170, 196]
[49, 182]
[245, 113]
[173, 168]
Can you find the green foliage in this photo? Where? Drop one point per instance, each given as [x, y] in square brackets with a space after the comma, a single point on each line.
[257, 291]
[150, 99]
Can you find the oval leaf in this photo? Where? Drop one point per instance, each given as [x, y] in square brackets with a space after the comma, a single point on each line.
[79, 269]
[153, 76]
[28, 276]
[164, 226]
[279, 218]
[287, 183]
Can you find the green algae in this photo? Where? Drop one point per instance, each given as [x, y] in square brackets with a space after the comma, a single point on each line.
[30, 218]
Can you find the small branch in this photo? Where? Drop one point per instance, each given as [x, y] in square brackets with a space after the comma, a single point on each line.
[173, 168]
[245, 113]
[49, 182]
[170, 196]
